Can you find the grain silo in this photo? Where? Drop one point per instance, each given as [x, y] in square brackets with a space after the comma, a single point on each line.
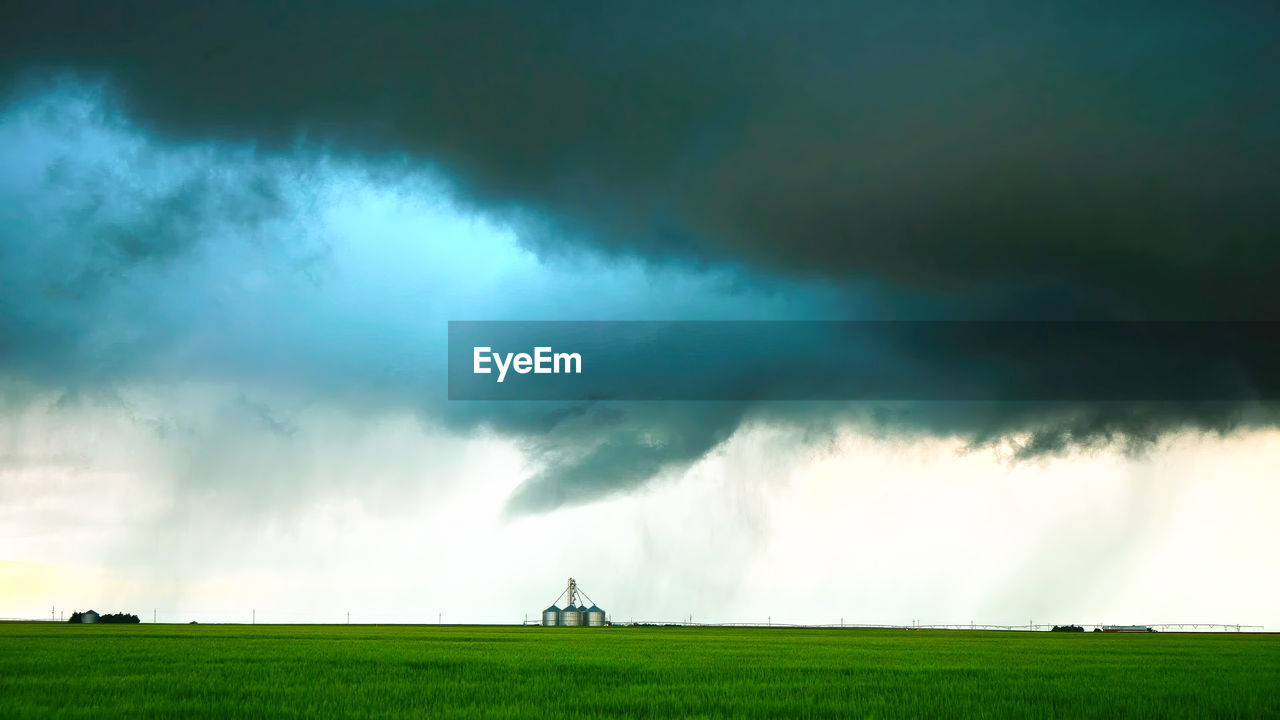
[571, 616]
[551, 616]
[576, 613]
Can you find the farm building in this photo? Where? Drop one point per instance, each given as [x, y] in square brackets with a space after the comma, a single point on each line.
[574, 614]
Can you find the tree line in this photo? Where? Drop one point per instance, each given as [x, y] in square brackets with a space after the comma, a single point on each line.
[119, 617]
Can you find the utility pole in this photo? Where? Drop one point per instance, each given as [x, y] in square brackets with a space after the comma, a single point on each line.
[254, 617]
[153, 616]
[348, 617]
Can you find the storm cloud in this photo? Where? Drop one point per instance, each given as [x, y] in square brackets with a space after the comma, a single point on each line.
[1119, 160]
[872, 160]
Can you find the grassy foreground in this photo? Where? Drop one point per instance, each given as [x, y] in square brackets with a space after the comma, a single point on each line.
[222, 671]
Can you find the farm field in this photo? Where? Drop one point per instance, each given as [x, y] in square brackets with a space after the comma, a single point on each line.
[223, 671]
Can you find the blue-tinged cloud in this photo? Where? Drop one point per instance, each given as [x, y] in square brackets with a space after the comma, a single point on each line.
[126, 261]
[1102, 160]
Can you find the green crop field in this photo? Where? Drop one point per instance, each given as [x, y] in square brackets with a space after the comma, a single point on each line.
[222, 671]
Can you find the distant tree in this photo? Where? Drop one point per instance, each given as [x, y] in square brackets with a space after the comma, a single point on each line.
[1067, 628]
[119, 618]
[76, 617]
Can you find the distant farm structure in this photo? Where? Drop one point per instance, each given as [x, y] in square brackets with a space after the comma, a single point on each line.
[574, 614]
[92, 617]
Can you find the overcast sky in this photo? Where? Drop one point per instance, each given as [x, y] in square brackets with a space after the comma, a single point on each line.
[228, 254]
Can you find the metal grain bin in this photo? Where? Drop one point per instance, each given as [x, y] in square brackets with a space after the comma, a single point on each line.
[551, 616]
[571, 616]
[593, 617]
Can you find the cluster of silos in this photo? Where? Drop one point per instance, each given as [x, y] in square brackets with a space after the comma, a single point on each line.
[573, 615]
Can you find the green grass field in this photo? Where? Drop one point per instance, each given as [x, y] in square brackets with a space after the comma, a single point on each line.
[222, 671]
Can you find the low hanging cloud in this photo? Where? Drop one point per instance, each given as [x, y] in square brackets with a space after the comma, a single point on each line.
[243, 205]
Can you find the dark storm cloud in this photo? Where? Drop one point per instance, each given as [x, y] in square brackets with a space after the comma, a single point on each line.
[1026, 389]
[1118, 159]
[980, 159]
